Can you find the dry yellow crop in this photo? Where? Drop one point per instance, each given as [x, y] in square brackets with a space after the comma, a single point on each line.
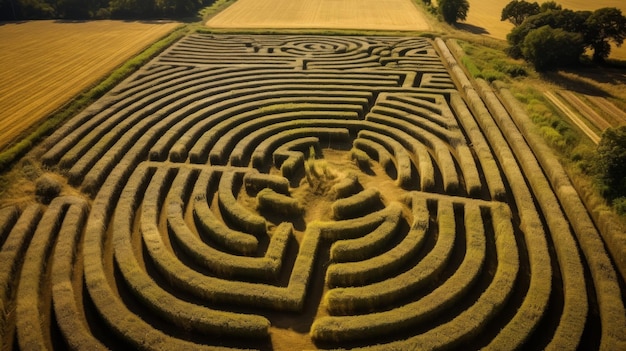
[46, 63]
[347, 14]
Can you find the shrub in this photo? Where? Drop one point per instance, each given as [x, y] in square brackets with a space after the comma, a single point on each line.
[47, 188]
[619, 205]
[453, 10]
[547, 48]
[611, 161]
[517, 11]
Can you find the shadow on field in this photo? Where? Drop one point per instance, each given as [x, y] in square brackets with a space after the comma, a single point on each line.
[472, 28]
[593, 80]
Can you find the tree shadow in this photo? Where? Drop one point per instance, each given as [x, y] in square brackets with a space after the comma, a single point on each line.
[4, 23]
[587, 79]
[472, 28]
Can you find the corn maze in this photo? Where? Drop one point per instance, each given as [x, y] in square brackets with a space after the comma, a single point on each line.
[355, 192]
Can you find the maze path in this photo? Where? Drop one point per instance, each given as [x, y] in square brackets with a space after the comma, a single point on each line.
[339, 189]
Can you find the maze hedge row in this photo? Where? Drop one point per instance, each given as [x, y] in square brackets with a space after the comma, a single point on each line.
[351, 192]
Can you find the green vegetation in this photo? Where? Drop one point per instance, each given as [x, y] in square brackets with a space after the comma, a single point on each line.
[98, 9]
[558, 133]
[552, 37]
[517, 11]
[548, 48]
[489, 63]
[453, 10]
[611, 166]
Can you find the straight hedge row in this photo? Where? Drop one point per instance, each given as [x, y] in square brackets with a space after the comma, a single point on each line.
[535, 304]
[590, 241]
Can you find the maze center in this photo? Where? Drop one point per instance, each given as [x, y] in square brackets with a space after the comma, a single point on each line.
[302, 192]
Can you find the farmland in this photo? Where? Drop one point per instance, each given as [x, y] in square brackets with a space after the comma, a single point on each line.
[322, 14]
[45, 64]
[304, 191]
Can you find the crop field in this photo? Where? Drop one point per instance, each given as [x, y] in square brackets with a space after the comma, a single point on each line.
[322, 14]
[294, 192]
[46, 63]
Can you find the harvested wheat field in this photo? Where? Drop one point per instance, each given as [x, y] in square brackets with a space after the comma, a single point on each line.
[46, 63]
[322, 14]
[484, 17]
[292, 192]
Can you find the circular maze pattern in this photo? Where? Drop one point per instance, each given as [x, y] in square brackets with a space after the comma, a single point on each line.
[300, 192]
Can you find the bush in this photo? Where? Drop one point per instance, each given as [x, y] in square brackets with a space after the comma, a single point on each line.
[611, 162]
[47, 188]
[453, 10]
[619, 205]
[547, 48]
[517, 11]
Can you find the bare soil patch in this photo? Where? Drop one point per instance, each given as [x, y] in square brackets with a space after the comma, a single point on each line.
[322, 14]
[46, 63]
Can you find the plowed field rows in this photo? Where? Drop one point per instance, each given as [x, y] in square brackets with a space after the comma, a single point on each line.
[301, 192]
[46, 63]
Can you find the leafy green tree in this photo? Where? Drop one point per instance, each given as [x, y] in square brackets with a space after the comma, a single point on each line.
[8, 10]
[178, 7]
[34, 9]
[603, 27]
[547, 48]
[611, 162]
[567, 20]
[77, 9]
[518, 10]
[453, 10]
[132, 8]
[550, 5]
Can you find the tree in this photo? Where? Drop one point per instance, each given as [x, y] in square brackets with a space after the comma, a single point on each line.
[34, 9]
[547, 48]
[518, 10]
[178, 7]
[453, 10]
[567, 20]
[550, 5]
[77, 9]
[603, 27]
[611, 161]
[132, 8]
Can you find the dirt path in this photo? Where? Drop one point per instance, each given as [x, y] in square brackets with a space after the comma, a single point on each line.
[572, 116]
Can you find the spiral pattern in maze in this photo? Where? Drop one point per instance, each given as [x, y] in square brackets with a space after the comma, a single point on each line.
[239, 186]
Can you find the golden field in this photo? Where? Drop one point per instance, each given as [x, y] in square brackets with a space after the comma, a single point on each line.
[46, 63]
[322, 14]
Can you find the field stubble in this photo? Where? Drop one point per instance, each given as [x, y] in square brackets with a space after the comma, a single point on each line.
[46, 63]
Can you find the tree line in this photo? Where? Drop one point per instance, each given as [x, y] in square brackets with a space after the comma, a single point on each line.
[549, 36]
[98, 9]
